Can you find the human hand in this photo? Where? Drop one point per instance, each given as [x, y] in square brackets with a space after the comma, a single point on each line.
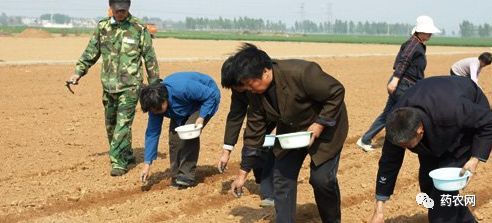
[378, 215]
[223, 160]
[237, 185]
[145, 174]
[471, 165]
[316, 130]
[199, 122]
[74, 79]
[392, 85]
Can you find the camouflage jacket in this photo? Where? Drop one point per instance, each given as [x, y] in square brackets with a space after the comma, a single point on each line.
[122, 45]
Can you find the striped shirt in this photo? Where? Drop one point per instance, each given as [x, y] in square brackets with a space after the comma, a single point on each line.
[410, 62]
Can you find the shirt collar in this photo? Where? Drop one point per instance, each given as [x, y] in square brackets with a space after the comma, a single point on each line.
[114, 22]
[418, 39]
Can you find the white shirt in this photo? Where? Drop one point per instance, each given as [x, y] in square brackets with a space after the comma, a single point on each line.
[468, 67]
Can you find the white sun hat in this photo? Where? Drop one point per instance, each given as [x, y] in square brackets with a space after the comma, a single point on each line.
[425, 24]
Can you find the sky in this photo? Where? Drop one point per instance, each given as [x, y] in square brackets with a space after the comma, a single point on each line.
[447, 14]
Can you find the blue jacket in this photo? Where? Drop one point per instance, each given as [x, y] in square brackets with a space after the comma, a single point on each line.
[188, 92]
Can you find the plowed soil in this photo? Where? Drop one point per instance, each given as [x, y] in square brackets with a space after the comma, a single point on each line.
[55, 166]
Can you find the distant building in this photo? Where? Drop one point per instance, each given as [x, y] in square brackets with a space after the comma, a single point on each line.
[84, 23]
[49, 24]
[30, 21]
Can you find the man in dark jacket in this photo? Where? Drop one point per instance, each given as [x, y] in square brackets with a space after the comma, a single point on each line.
[263, 171]
[298, 96]
[447, 121]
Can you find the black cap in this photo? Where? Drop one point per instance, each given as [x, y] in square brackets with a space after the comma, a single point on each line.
[120, 4]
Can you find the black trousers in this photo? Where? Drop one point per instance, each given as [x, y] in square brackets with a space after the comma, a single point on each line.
[263, 173]
[323, 179]
[183, 154]
[442, 214]
[263, 169]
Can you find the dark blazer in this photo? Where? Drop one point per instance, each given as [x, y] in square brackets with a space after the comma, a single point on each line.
[240, 104]
[235, 117]
[457, 120]
[305, 95]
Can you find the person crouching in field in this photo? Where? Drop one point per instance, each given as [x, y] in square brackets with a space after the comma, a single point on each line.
[239, 108]
[471, 67]
[447, 121]
[185, 98]
[297, 95]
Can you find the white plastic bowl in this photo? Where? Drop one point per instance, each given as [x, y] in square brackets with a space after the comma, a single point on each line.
[269, 141]
[448, 178]
[294, 140]
[188, 131]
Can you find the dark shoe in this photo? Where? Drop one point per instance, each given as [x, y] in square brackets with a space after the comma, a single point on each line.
[184, 183]
[173, 184]
[131, 160]
[115, 172]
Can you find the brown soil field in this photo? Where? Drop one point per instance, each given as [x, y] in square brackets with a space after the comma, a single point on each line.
[34, 33]
[54, 149]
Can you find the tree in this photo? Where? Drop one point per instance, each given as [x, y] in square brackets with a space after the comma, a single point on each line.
[484, 31]
[466, 29]
[4, 19]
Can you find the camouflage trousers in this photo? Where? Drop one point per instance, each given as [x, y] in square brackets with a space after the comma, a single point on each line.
[119, 111]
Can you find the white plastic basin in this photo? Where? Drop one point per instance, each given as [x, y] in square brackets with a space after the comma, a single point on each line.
[294, 140]
[448, 178]
[269, 141]
[188, 131]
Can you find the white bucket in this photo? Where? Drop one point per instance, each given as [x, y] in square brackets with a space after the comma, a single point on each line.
[294, 140]
[188, 131]
[269, 141]
[448, 178]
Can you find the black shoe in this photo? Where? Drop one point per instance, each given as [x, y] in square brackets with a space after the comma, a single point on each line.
[174, 185]
[115, 172]
[184, 183]
[131, 160]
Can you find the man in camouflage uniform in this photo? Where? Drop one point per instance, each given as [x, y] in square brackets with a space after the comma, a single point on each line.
[122, 40]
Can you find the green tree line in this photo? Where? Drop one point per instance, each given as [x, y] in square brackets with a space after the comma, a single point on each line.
[306, 26]
[241, 23]
[466, 28]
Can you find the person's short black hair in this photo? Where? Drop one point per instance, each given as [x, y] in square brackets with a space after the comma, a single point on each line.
[153, 96]
[227, 74]
[402, 124]
[486, 58]
[250, 62]
[119, 1]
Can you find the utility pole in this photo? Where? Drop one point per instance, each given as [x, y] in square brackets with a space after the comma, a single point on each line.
[329, 11]
[301, 12]
[329, 15]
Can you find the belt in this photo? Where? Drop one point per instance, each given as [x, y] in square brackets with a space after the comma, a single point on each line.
[409, 80]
